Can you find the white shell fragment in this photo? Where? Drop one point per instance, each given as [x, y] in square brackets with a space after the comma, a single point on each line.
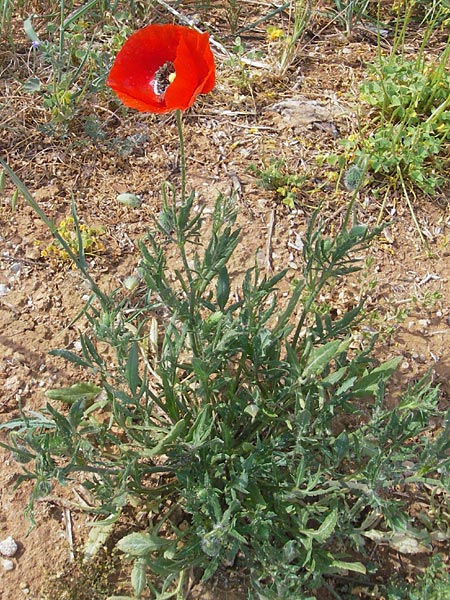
[8, 547]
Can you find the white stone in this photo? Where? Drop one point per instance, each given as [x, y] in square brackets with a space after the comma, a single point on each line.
[7, 564]
[8, 547]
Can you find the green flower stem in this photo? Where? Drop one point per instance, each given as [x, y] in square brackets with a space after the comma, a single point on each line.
[437, 74]
[182, 156]
[410, 206]
[438, 111]
[180, 231]
[181, 239]
[57, 81]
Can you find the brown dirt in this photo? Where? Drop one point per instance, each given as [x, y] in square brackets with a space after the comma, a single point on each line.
[225, 133]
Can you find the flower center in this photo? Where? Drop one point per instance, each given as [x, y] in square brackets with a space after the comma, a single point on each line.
[163, 78]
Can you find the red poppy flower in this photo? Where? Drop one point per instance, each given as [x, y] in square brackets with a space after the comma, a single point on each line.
[162, 68]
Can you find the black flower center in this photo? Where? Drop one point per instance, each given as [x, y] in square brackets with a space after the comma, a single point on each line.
[163, 78]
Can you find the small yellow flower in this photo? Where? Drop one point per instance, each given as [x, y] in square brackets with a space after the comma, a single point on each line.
[274, 33]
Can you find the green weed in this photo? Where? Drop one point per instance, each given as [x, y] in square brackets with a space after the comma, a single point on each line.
[81, 580]
[434, 584]
[75, 236]
[405, 144]
[407, 139]
[414, 122]
[350, 13]
[275, 177]
[285, 44]
[70, 55]
[247, 425]
[432, 11]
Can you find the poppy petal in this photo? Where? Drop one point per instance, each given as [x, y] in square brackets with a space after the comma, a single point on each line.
[209, 69]
[136, 64]
[194, 67]
[181, 93]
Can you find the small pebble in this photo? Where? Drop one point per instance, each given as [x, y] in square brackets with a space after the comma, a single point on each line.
[4, 289]
[16, 268]
[7, 564]
[8, 547]
[131, 200]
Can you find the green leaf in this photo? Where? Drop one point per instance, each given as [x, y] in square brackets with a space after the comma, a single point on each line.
[368, 384]
[141, 544]
[200, 368]
[356, 567]
[71, 357]
[341, 445]
[324, 531]
[211, 568]
[346, 385]
[321, 356]
[358, 231]
[139, 576]
[334, 377]
[132, 368]
[177, 430]
[223, 288]
[201, 429]
[32, 85]
[78, 391]
[23, 423]
[395, 101]
[29, 29]
[76, 14]
[327, 527]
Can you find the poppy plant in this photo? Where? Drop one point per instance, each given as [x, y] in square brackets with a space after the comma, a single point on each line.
[161, 68]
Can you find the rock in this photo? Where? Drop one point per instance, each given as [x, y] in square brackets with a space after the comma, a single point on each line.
[8, 547]
[4, 289]
[7, 564]
[15, 268]
[300, 112]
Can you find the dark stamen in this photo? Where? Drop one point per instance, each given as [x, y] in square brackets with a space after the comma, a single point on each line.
[163, 78]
